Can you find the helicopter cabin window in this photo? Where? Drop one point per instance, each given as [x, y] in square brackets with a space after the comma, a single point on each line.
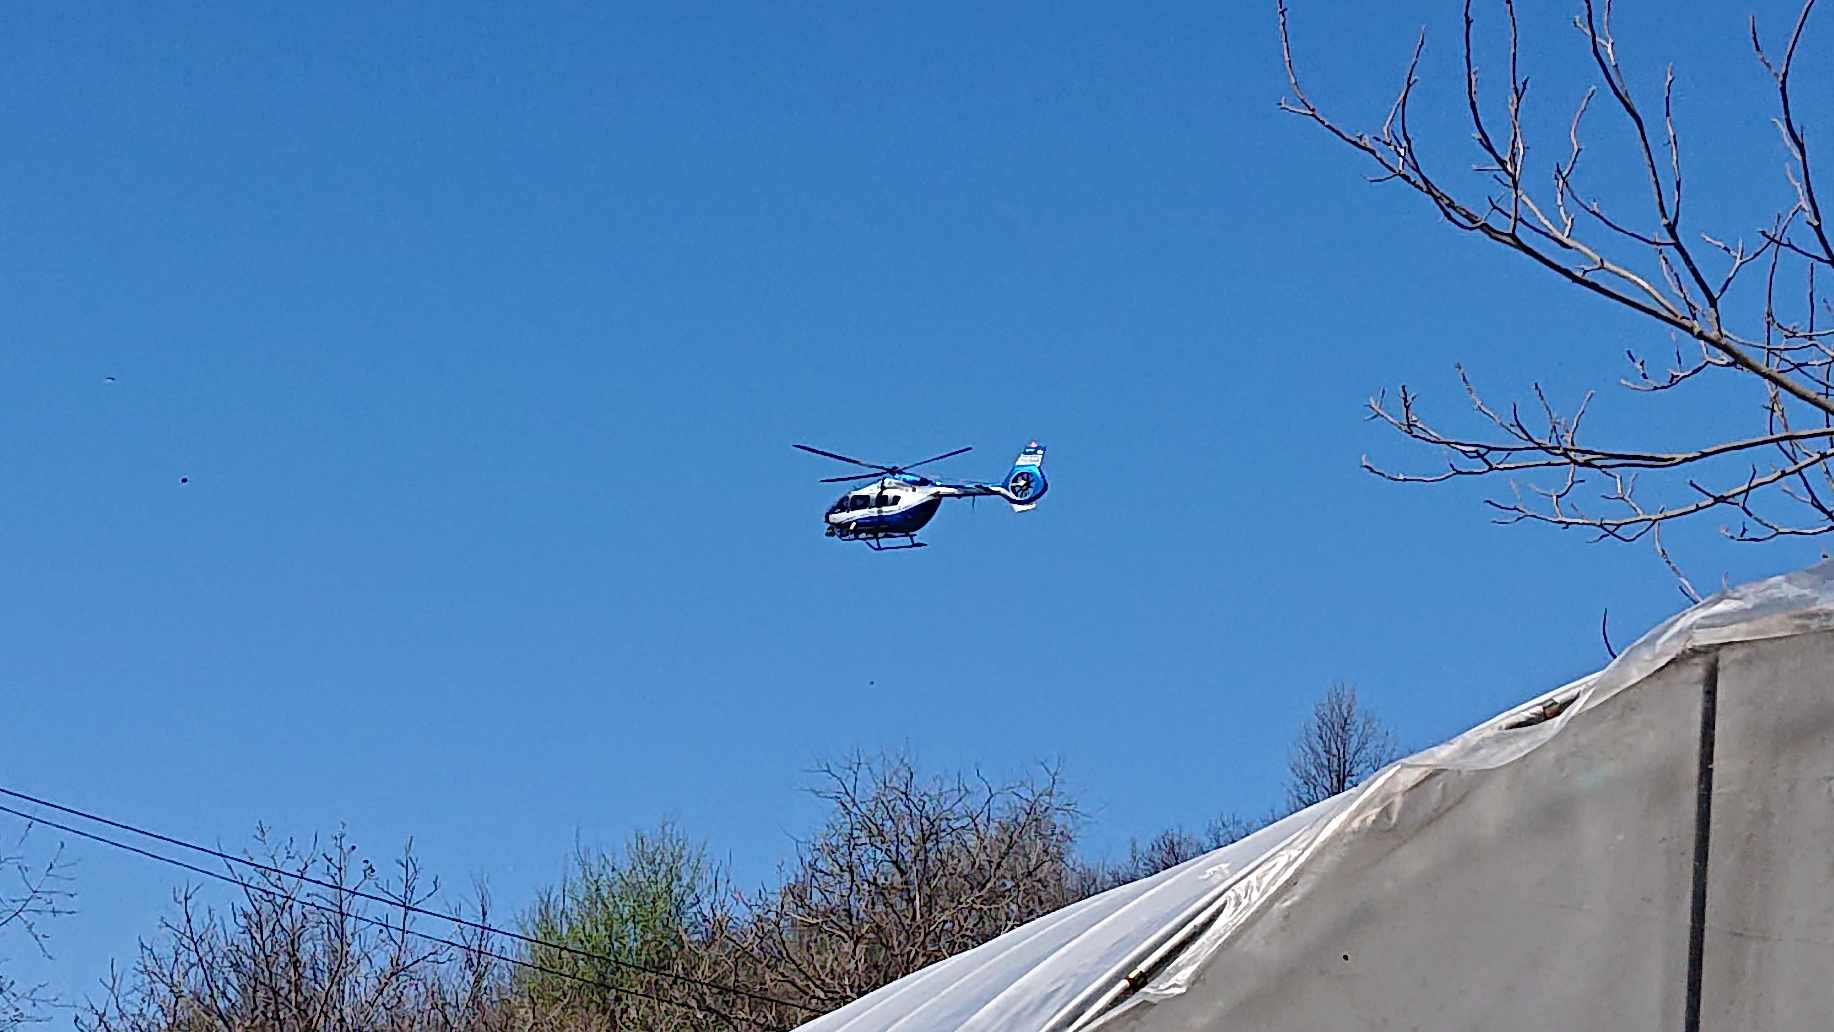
[883, 501]
[861, 502]
[891, 500]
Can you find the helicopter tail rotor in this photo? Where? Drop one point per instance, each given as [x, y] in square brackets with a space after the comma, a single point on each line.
[1025, 482]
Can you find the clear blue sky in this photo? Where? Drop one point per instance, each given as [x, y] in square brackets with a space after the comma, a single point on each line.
[483, 333]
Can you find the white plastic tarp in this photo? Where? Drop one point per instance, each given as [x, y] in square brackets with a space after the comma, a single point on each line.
[1531, 872]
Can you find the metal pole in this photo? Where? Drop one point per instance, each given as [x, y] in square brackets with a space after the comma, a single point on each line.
[1703, 831]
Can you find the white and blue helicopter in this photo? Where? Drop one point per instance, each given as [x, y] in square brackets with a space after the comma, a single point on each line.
[888, 513]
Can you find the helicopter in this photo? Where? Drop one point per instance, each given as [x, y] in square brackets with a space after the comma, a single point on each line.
[886, 514]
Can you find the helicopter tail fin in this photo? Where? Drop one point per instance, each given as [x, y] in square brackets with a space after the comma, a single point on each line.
[1025, 483]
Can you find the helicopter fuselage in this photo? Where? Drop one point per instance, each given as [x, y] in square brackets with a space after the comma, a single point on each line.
[887, 508]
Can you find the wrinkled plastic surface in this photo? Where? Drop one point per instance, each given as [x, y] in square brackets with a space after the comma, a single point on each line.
[1583, 848]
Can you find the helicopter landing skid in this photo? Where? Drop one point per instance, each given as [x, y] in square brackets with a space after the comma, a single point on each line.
[878, 544]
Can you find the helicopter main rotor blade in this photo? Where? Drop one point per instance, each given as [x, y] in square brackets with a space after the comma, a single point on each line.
[937, 458]
[849, 480]
[845, 458]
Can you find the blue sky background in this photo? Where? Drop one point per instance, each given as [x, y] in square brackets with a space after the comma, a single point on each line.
[482, 334]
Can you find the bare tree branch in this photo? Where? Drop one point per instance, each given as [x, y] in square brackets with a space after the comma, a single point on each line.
[31, 894]
[1339, 745]
[1661, 273]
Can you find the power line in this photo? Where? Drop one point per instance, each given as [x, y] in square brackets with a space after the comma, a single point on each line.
[397, 904]
[384, 925]
[394, 904]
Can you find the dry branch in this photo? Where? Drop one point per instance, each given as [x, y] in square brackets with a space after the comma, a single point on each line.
[1682, 280]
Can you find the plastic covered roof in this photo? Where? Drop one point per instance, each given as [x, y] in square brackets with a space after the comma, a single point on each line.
[1148, 941]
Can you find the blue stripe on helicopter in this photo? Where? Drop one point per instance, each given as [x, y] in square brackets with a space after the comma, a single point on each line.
[911, 519]
[889, 522]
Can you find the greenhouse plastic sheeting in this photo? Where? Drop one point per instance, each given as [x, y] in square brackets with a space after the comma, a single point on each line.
[1535, 871]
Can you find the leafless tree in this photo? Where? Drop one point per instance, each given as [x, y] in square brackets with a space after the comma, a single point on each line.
[906, 869]
[1339, 745]
[909, 870]
[290, 955]
[1168, 849]
[1742, 314]
[30, 893]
